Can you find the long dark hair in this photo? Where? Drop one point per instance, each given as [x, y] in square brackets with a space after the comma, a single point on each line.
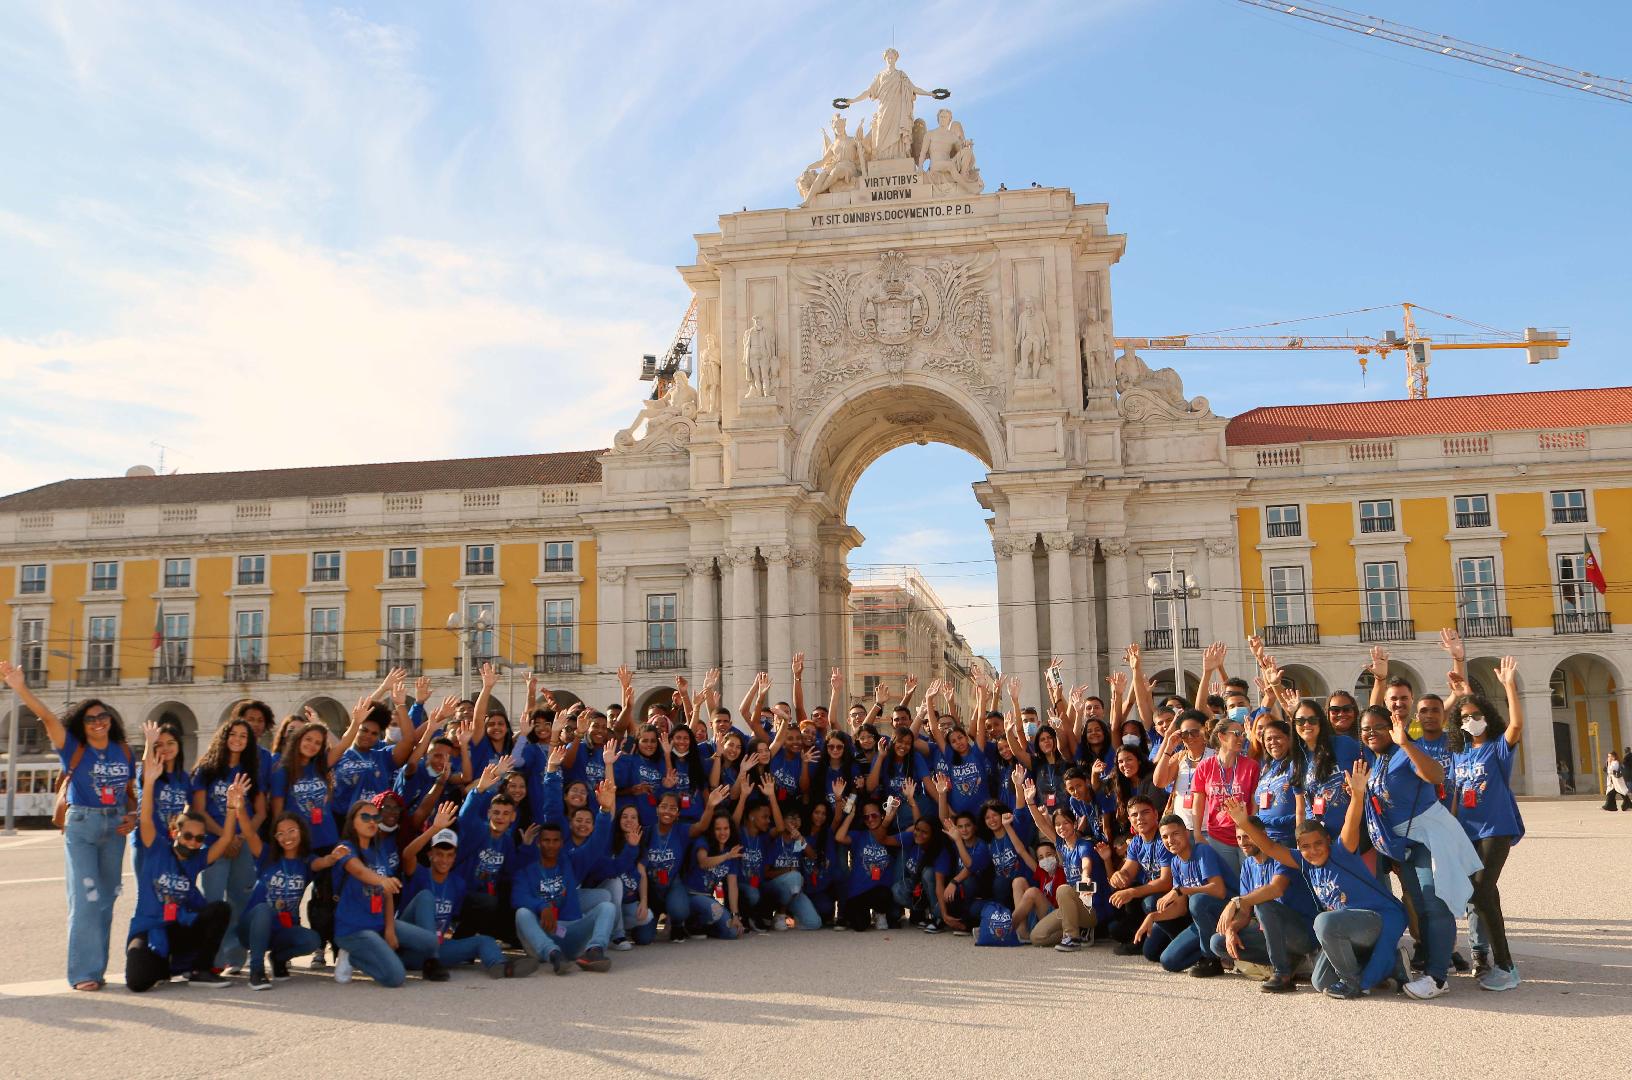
[714, 845]
[691, 760]
[821, 780]
[1495, 725]
[76, 721]
[291, 754]
[173, 729]
[1324, 754]
[214, 762]
[348, 832]
[1124, 788]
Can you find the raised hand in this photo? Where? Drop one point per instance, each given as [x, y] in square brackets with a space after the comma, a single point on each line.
[1457, 682]
[682, 687]
[798, 665]
[718, 796]
[1213, 656]
[557, 758]
[1451, 642]
[609, 754]
[626, 678]
[364, 706]
[1379, 662]
[490, 677]
[446, 814]
[606, 793]
[1132, 657]
[762, 682]
[880, 692]
[767, 786]
[530, 834]
[1237, 811]
[1507, 673]
[1356, 779]
[912, 685]
[909, 789]
[1028, 787]
[838, 790]
[1119, 683]
[150, 752]
[711, 680]
[422, 689]
[836, 681]
[13, 676]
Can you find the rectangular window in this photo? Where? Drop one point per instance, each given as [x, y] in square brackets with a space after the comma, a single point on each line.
[252, 569]
[1569, 507]
[1288, 604]
[178, 573]
[558, 626]
[869, 683]
[558, 556]
[104, 577]
[1382, 600]
[249, 637]
[479, 615]
[404, 563]
[1576, 595]
[31, 648]
[1163, 610]
[177, 630]
[478, 560]
[1472, 511]
[1476, 588]
[325, 634]
[1283, 521]
[325, 566]
[32, 578]
[101, 650]
[662, 629]
[1377, 516]
[402, 631]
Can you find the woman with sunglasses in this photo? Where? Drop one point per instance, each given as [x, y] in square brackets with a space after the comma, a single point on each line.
[1344, 713]
[1183, 751]
[868, 901]
[1321, 759]
[366, 927]
[98, 768]
[1429, 851]
[1483, 796]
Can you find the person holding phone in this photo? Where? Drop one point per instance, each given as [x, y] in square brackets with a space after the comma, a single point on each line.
[1083, 902]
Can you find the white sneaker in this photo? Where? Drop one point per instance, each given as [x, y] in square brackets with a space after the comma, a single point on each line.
[1425, 988]
[623, 945]
[881, 923]
[342, 966]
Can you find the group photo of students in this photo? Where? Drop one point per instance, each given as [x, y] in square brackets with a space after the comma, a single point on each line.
[1335, 844]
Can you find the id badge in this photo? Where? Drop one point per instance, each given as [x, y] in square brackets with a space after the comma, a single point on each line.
[874, 871]
[285, 919]
[1377, 805]
[170, 911]
[1470, 798]
[1051, 798]
[753, 882]
[317, 815]
[685, 802]
[1320, 805]
[107, 796]
[781, 794]
[490, 889]
[652, 799]
[1266, 799]
[662, 877]
[1189, 802]
[376, 904]
[1441, 789]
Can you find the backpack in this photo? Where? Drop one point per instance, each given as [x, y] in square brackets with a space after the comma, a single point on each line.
[59, 810]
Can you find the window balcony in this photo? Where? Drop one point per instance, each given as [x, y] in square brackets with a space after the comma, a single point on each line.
[1279, 634]
[1276, 530]
[1484, 626]
[411, 664]
[34, 677]
[558, 663]
[1374, 630]
[660, 659]
[245, 671]
[322, 669]
[1582, 622]
[1162, 640]
[170, 675]
[1477, 519]
[98, 676]
[1569, 515]
[558, 566]
[1377, 524]
[478, 567]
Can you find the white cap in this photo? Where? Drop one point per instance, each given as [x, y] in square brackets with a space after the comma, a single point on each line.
[446, 836]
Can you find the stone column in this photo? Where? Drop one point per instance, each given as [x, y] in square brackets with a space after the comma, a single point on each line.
[702, 643]
[807, 614]
[1118, 603]
[610, 646]
[1540, 755]
[1005, 605]
[743, 662]
[1082, 609]
[1023, 591]
[778, 616]
[1062, 623]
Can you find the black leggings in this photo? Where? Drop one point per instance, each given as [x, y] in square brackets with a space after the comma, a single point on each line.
[1487, 900]
[857, 911]
[192, 948]
[320, 908]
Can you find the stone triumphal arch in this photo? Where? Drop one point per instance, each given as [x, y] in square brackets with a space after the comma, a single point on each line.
[903, 302]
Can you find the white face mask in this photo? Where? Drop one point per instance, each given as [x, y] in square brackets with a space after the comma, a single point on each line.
[1130, 740]
[1049, 864]
[1031, 729]
[1474, 726]
[387, 828]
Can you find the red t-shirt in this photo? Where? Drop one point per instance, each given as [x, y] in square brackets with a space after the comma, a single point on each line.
[1217, 782]
[1048, 883]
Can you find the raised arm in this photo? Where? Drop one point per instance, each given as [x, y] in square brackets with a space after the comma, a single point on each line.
[1243, 822]
[1451, 642]
[1354, 819]
[446, 814]
[1379, 675]
[839, 721]
[1141, 686]
[1428, 770]
[151, 767]
[235, 809]
[798, 669]
[1507, 673]
[13, 677]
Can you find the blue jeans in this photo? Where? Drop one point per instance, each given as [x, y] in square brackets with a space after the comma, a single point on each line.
[231, 880]
[672, 900]
[787, 891]
[643, 933]
[709, 916]
[1230, 853]
[1343, 933]
[372, 956]
[925, 881]
[1162, 934]
[1279, 937]
[420, 915]
[572, 938]
[1186, 947]
[259, 927]
[94, 856]
[1434, 919]
[609, 891]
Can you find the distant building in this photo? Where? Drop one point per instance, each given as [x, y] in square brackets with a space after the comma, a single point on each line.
[900, 627]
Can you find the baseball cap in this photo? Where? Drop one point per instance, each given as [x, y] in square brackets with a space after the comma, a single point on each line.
[445, 838]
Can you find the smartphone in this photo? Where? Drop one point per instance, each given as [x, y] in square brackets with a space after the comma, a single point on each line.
[1086, 887]
[849, 804]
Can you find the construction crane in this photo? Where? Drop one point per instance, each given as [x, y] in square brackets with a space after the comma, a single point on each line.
[660, 373]
[1512, 63]
[1417, 346]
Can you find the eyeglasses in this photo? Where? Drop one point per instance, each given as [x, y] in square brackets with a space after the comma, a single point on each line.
[368, 817]
[1472, 716]
[191, 837]
[1373, 729]
[1189, 733]
[1342, 708]
[871, 817]
[1230, 731]
[1307, 721]
[98, 718]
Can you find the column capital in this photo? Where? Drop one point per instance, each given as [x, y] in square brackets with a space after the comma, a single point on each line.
[700, 566]
[1113, 546]
[1081, 545]
[805, 556]
[612, 575]
[775, 554]
[740, 556]
[1058, 541]
[1011, 544]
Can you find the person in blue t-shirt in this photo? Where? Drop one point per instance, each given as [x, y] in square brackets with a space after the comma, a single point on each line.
[1321, 760]
[1275, 800]
[713, 876]
[1272, 920]
[1489, 814]
[867, 900]
[1360, 922]
[963, 763]
[1145, 875]
[366, 927]
[271, 919]
[645, 775]
[231, 754]
[1202, 884]
[970, 884]
[174, 791]
[174, 928]
[435, 893]
[367, 764]
[668, 842]
[491, 849]
[626, 862]
[1087, 908]
[551, 920]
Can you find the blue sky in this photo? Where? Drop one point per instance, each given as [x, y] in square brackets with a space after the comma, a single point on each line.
[275, 235]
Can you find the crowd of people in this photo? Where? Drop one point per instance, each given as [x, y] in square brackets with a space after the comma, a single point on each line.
[1251, 829]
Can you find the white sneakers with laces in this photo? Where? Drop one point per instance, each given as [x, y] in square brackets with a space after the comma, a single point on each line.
[342, 966]
[1424, 988]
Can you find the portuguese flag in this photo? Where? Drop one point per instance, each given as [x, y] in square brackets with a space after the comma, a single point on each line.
[1595, 572]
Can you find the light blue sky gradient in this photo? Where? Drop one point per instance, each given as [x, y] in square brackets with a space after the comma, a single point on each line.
[279, 235]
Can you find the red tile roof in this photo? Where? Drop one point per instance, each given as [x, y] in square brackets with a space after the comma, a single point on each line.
[1475, 413]
[572, 467]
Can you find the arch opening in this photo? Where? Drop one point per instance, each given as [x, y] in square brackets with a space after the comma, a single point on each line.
[1586, 720]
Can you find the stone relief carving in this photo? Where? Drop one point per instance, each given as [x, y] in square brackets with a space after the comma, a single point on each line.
[1113, 547]
[1030, 342]
[758, 360]
[1009, 546]
[708, 382]
[664, 424]
[805, 556]
[612, 575]
[890, 314]
[775, 554]
[1058, 541]
[1154, 395]
[700, 566]
[909, 419]
[740, 556]
[1219, 545]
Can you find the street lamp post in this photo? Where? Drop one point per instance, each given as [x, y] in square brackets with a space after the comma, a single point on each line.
[467, 634]
[1173, 593]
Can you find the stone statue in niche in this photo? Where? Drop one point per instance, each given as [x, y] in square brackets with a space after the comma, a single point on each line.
[951, 156]
[708, 384]
[1030, 341]
[1098, 370]
[841, 166]
[1157, 394]
[758, 361]
[893, 133]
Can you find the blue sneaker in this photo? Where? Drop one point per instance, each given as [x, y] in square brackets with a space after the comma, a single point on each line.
[1342, 991]
[1500, 978]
